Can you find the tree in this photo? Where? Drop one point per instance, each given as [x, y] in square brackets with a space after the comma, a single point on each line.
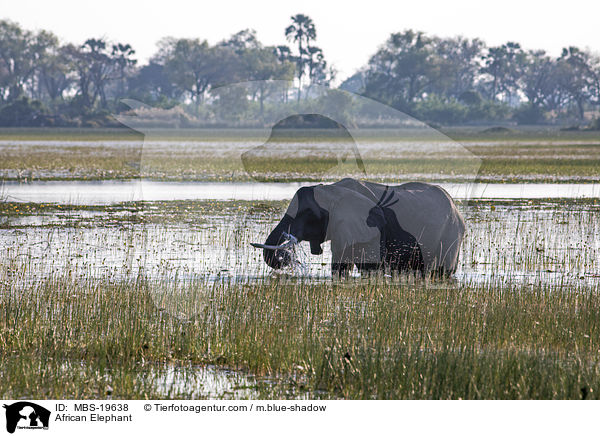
[503, 68]
[152, 85]
[54, 73]
[122, 56]
[263, 66]
[242, 41]
[579, 77]
[538, 80]
[401, 71]
[284, 55]
[96, 67]
[458, 61]
[302, 31]
[101, 67]
[318, 71]
[15, 58]
[78, 63]
[355, 83]
[194, 67]
[258, 64]
[230, 103]
[4, 81]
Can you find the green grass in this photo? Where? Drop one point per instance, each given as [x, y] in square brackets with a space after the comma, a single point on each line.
[366, 339]
[47, 166]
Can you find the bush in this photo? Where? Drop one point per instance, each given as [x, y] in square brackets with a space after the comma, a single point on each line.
[434, 109]
[471, 98]
[528, 114]
[489, 111]
[594, 125]
[439, 111]
[23, 112]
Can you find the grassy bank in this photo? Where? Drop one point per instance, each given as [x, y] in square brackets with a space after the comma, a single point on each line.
[459, 133]
[74, 163]
[526, 155]
[364, 339]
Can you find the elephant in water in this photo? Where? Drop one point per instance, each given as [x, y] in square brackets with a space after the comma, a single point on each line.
[409, 227]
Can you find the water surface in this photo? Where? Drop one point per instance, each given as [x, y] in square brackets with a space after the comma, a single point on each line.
[113, 192]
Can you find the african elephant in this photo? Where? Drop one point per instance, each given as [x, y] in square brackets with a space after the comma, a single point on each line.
[410, 227]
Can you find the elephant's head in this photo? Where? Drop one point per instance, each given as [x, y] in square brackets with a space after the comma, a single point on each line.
[304, 220]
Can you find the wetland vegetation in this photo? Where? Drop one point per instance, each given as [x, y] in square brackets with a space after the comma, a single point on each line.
[539, 155]
[111, 301]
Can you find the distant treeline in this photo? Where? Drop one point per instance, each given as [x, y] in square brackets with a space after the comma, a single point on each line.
[44, 82]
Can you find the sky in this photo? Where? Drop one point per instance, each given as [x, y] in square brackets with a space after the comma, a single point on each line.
[348, 32]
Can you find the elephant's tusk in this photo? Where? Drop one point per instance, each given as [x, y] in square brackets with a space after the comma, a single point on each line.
[292, 240]
[267, 247]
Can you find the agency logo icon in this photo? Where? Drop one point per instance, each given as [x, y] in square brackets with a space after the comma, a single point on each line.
[26, 415]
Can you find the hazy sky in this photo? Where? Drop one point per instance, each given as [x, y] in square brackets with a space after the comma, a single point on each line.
[348, 32]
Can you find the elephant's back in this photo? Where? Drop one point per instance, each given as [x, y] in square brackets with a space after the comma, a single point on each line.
[426, 197]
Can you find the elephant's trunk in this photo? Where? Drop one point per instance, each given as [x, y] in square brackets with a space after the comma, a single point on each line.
[278, 258]
[276, 249]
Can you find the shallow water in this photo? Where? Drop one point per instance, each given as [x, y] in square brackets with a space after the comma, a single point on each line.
[527, 242]
[113, 192]
[204, 383]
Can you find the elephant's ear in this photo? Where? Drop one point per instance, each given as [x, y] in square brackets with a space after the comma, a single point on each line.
[355, 223]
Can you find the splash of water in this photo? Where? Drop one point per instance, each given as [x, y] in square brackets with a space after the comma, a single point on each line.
[300, 264]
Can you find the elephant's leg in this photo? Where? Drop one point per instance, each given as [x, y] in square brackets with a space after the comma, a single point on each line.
[340, 269]
[405, 259]
[370, 267]
[341, 259]
[416, 271]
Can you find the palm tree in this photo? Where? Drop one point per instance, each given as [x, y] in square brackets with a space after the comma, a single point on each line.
[302, 31]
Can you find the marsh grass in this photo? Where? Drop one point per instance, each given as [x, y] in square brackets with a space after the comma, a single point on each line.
[355, 339]
[214, 155]
[28, 166]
